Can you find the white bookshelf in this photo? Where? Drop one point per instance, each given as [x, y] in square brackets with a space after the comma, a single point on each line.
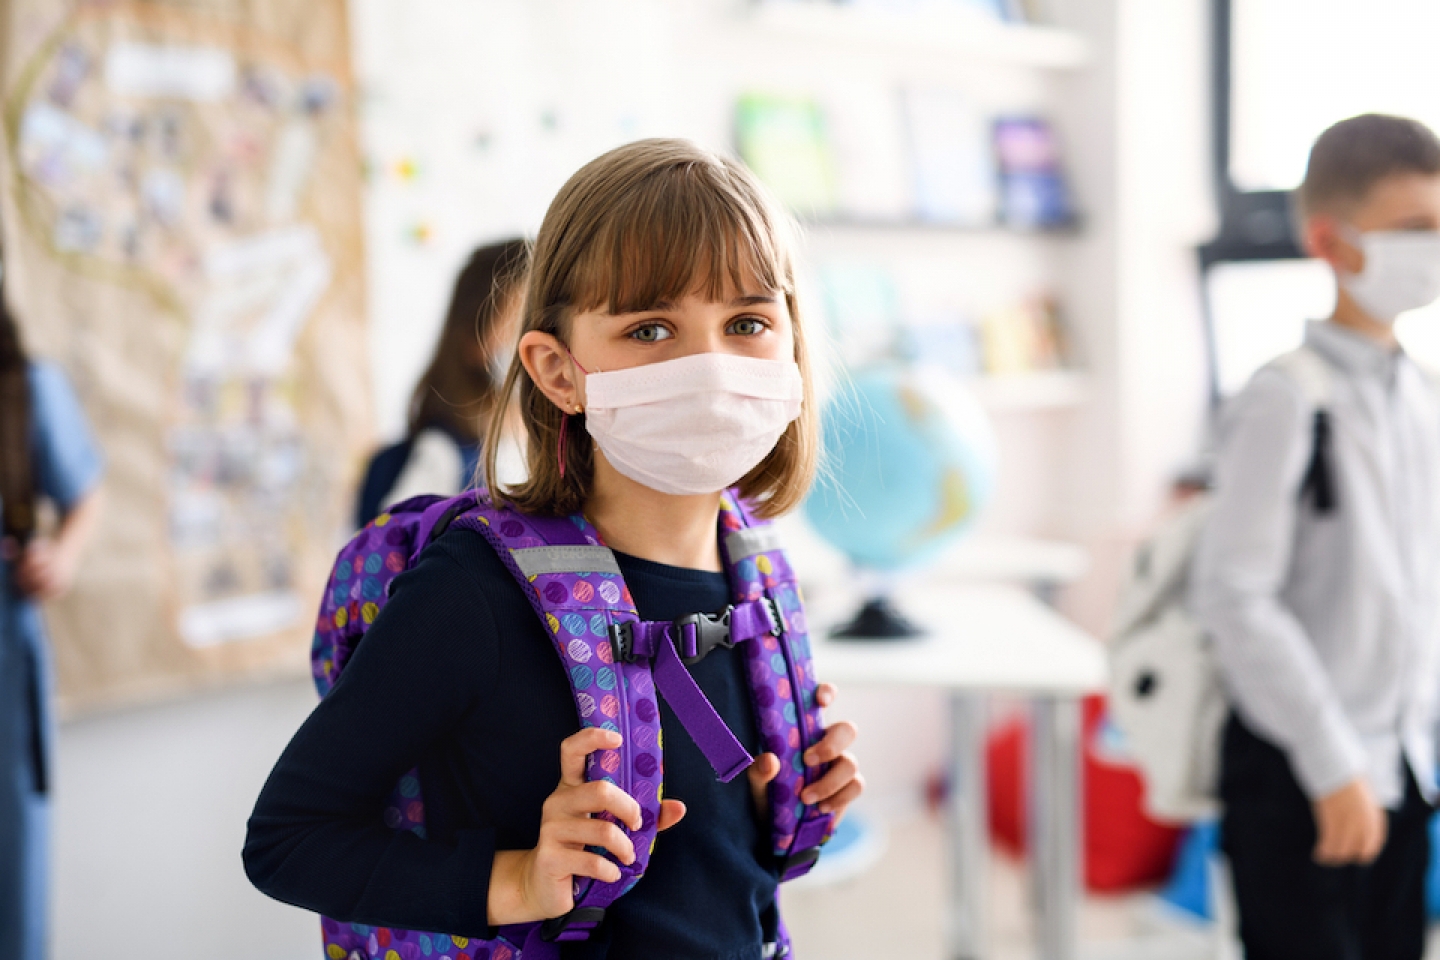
[1047, 390]
[959, 34]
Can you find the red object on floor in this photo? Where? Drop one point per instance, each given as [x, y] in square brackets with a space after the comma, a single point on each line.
[1123, 848]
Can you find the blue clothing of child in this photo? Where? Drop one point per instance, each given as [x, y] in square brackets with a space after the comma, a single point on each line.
[67, 467]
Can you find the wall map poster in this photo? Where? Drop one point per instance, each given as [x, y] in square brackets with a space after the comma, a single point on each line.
[182, 231]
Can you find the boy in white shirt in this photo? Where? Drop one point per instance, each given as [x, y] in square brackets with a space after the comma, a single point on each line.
[1318, 578]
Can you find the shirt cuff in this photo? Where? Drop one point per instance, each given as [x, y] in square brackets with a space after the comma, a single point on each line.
[1330, 758]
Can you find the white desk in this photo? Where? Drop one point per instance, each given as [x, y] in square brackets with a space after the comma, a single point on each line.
[985, 639]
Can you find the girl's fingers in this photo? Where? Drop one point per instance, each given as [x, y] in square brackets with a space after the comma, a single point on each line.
[591, 833]
[576, 747]
[838, 738]
[840, 773]
[825, 694]
[589, 799]
[765, 768]
[581, 863]
[671, 813]
[848, 794]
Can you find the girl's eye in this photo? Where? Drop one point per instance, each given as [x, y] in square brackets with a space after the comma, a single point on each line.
[748, 326]
[651, 333]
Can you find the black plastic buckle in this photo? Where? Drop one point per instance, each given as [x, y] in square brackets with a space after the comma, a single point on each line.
[551, 929]
[712, 630]
[622, 641]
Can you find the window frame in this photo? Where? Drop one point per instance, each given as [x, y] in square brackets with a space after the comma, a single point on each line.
[1255, 225]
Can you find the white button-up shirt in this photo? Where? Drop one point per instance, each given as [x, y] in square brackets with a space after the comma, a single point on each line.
[1325, 627]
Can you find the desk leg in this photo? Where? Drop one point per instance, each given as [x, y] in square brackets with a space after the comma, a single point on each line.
[1055, 821]
[967, 828]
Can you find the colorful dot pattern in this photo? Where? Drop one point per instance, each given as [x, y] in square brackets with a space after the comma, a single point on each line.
[782, 680]
[578, 609]
[356, 941]
[359, 585]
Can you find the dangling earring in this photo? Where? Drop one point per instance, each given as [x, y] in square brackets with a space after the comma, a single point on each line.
[560, 443]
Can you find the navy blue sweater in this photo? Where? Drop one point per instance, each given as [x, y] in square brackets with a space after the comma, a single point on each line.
[458, 675]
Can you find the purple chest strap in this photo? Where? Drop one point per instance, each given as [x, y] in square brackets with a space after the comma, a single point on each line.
[672, 645]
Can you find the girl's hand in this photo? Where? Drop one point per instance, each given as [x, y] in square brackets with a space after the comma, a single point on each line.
[538, 884]
[45, 570]
[840, 785]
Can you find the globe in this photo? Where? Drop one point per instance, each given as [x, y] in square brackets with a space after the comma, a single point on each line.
[910, 467]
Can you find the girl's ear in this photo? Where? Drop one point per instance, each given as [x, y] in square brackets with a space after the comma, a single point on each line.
[550, 367]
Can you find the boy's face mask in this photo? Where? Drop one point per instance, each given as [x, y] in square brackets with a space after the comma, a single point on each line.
[1401, 272]
[692, 425]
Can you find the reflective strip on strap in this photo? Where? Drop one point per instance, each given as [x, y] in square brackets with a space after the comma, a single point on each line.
[534, 561]
[742, 544]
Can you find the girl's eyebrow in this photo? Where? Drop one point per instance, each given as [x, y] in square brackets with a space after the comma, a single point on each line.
[664, 306]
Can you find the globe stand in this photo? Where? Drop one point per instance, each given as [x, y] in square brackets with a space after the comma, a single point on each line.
[877, 620]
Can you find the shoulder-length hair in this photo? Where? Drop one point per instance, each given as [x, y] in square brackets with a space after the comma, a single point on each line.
[652, 221]
[17, 479]
[458, 390]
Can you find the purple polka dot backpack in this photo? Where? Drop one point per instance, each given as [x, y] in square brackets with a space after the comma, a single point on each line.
[617, 663]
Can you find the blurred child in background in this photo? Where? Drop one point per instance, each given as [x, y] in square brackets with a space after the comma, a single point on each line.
[442, 442]
[1318, 577]
[46, 453]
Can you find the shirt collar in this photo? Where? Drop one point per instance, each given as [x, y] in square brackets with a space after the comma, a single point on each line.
[1352, 352]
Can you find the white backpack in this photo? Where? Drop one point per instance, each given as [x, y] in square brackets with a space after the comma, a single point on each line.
[1165, 693]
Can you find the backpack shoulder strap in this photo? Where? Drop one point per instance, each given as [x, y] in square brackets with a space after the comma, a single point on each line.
[573, 581]
[1315, 377]
[782, 681]
[1310, 372]
[1160, 569]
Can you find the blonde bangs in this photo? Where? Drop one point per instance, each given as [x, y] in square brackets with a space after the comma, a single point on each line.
[687, 229]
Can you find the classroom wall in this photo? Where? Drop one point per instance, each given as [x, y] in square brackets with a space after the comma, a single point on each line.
[1139, 123]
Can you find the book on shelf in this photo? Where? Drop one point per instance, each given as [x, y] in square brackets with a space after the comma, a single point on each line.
[1024, 337]
[1033, 192]
[951, 343]
[782, 137]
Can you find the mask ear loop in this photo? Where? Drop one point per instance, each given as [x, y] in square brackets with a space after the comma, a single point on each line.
[565, 419]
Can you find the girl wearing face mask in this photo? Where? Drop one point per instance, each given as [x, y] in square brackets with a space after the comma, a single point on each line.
[440, 452]
[661, 362]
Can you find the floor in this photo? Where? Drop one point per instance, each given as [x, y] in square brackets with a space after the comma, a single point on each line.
[150, 817]
[151, 812]
[896, 910]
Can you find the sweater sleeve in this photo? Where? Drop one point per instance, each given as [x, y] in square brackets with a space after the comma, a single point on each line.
[316, 838]
[1270, 666]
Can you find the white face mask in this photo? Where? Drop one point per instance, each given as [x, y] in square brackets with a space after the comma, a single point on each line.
[692, 425]
[1401, 272]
